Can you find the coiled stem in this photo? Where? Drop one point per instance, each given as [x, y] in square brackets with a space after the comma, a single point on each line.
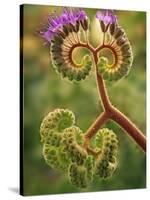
[62, 47]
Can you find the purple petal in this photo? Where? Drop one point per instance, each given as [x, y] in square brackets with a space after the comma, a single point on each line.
[107, 16]
[48, 35]
[56, 22]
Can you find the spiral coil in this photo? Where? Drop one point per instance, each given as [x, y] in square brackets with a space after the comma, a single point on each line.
[61, 50]
[119, 45]
[63, 149]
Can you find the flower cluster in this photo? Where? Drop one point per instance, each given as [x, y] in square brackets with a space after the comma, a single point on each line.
[63, 149]
[106, 17]
[106, 162]
[63, 34]
[69, 17]
[116, 41]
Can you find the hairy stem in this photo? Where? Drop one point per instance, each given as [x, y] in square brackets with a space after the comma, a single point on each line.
[96, 125]
[93, 129]
[103, 92]
[129, 127]
[101, 85]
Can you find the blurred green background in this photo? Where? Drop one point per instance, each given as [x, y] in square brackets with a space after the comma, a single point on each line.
[45, 90]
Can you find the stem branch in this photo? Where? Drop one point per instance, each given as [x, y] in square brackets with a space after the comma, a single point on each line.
[94, 128]
[96, 125]
[129, 127]
[102, 92]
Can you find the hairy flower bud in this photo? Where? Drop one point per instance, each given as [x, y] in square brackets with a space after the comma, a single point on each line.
[122, 53]
[75, 151]
[81, 175]
[106, 162]
[56, 121]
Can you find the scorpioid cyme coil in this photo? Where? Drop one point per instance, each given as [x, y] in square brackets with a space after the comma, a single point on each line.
[57, 120]
[75, 151]
[116, 41]
[63, 34]
[63, 147]
[51, 132]
[82, 175]
[106, 162]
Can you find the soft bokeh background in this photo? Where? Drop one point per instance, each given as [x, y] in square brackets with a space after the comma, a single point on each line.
[44, 90]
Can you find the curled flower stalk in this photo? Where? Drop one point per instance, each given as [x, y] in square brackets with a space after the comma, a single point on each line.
[64, 35]
[65, 146]
[118, 43]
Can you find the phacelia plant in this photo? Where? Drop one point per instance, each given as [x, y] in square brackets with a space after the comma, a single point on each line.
[65, 146]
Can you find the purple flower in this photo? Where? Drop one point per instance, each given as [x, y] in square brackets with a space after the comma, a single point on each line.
[106, 16]
[56, 23]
